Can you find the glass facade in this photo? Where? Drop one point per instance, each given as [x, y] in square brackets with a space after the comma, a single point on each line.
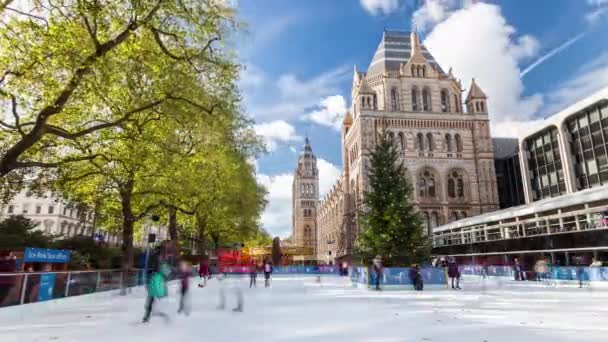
[589, 133]
[545, 165]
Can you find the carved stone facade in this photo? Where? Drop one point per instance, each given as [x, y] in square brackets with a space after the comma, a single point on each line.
[305, 195]
[446, 149]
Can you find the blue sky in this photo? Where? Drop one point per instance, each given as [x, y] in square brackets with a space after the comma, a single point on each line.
[532, 58]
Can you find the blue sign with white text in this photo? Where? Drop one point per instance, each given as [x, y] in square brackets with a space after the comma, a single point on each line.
[47, 283]
[46, 255]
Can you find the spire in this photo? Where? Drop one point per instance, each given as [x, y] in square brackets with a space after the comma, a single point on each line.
[416, 54]
[348, 119]
[307, 147]
[475, 92]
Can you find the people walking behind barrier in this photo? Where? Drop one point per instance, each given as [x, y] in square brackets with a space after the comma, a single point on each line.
[517, 270]
[157, 288]
[378, 271]
[595, 263]
[253, 274]
[203, 272]
[454, 273]
[541, 268]
[267, 273]
[183, 274]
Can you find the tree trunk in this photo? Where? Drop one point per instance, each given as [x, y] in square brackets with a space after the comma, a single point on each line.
[173, 229]
[128, 221]
[201, 244]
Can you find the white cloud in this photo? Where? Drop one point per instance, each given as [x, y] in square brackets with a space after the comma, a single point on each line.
[432, 12]
[513, 128]
[330, 112]
[598, 9]
[478, 42]
[276, 218]
[251, 76]
[275, 133]
[328, 174]
[376, 7]
[288, 96]
[590, 78]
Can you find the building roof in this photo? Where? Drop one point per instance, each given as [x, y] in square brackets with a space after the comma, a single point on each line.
[505, 147]
[395, 48]
[364, 87]
[348, 119]
[475, 92]
[553, 203]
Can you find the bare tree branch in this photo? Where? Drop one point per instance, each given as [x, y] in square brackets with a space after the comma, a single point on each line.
[33, 16]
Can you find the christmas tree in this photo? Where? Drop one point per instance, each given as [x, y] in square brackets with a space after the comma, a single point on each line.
[390, 224]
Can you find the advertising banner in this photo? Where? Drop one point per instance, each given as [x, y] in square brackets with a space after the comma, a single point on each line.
[47, 283]
[46, 255]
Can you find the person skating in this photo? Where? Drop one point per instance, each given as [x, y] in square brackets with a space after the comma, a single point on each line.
[203, 272]
[454, 273]
[378, 271]
[253, 274]
[183, 275]
[157, 288]
[267, 273]
[517, 270]
[416, 278]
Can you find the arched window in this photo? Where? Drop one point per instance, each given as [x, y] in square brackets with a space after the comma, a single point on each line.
[429, 141]
[456, 104]
[419, 142]
[454, 216]
[369, 102]
[458, 143]
[363, 102]
[415, 96]
[448, 142]
[413, 71]
[456, 185]
[445, 101]
[476, 106]
[426, 100]
[375, 101]
[401, 140]
[481, 106]
[434, 219]
[391, 136]
[426, 185]
[394, 99]
[424, 71]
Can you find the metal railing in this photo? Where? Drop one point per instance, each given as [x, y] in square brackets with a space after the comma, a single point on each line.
[22, 288]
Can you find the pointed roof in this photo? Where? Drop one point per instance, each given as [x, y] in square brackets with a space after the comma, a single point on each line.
[348, 119]
[364, 87]
[475, 92]
[396, 48]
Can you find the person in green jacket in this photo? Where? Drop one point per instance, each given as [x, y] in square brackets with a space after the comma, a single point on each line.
[157, 288]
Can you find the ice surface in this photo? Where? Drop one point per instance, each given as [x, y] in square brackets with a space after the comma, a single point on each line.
[299, 309]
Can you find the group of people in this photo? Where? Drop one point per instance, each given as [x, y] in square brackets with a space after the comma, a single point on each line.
[254, 268]
[157, 288]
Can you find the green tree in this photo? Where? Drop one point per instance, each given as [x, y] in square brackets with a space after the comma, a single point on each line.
[72, 72]
[390, 224]
[18, 232]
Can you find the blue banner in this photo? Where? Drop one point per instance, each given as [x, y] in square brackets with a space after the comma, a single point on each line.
[401, 276]
[47, 283]
[46, 255]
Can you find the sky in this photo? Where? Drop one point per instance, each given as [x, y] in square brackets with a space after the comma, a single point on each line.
[531, 58]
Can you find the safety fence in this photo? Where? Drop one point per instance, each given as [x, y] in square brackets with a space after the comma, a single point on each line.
[285, 270]
[23, 288]
[396, 277]
[552, 272]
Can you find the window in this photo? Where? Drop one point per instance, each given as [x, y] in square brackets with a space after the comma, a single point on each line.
[11, 209]
[544, 163]
[424, 71]
[434, 219]
[65, 211]
[455, 185]
[26, 208]
[51, 209]
[456, 104]
[375, 101]
[419, 142]
[458, 143]
[391, 136]
[426, 100]
[448, 142]
[402, 141]
[38, 209]
[394, 100]
[415, 95]
[426, 185]
[429, 141]
[481, 106]
[445, 101]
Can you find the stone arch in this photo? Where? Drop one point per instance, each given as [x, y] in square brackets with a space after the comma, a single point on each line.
[428, 184]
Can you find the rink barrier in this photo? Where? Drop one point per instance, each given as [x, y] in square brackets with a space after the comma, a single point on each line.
[589, 274]
[396, 277]
[32, 287]
[286, 270]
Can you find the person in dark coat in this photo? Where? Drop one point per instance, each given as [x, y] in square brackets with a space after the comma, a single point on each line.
[517, 270]
[416, 278]
[183, 274]
[253, 274]
[454, 273]
[378, 271]
[203, 272]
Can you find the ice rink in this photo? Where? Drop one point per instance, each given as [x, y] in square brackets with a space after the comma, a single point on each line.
[299, 309]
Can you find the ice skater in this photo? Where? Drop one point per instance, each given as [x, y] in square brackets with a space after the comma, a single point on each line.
[203, 272]
[378, 271]
[157, 288]
[416, 278]
[454, 273]
[517, 269]
[267, 273]
[239, 295]
[183, 274]
[253, 274]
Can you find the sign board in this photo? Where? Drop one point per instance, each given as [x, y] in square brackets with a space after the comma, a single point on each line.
[46, 255]
[47, 283]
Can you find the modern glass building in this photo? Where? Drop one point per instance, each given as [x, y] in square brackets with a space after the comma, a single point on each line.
[564, 173]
